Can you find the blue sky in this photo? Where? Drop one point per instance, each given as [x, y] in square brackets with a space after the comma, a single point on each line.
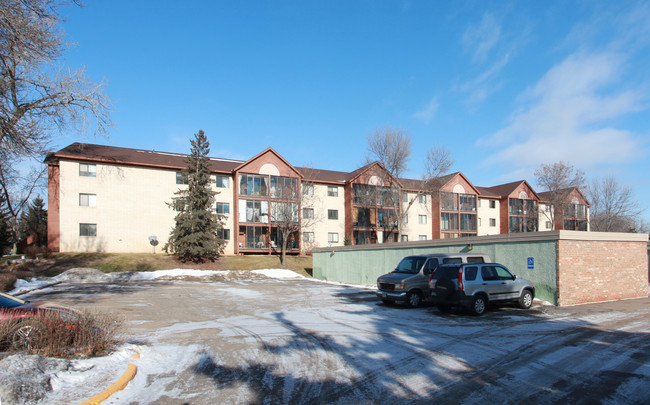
[505, 86]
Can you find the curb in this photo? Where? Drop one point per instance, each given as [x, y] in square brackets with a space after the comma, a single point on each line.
[118, 385]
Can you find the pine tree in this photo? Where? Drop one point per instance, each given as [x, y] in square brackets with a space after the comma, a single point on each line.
[34, 222]
[195, 235]
[6, 241]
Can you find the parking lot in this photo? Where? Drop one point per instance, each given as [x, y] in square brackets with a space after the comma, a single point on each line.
[244, 340]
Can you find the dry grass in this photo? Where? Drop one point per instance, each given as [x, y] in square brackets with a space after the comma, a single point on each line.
[92, 334]
[57, 263]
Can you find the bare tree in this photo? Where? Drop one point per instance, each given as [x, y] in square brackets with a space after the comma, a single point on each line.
[17, 189]
[37, 97]
[613, 207]
[392, 148]
[557, 180]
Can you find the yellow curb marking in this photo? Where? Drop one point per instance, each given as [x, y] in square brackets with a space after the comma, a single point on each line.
[118, 385]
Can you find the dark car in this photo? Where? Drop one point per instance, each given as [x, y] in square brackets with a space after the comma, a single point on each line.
[23, 323]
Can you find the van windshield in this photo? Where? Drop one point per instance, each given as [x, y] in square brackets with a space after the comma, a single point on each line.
[410, 265]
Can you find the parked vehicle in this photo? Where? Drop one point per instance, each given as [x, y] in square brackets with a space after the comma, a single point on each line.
[409, 282]
[23, 322]
[477, 285]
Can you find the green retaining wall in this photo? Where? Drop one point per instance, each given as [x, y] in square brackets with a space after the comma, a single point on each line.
[362, 264]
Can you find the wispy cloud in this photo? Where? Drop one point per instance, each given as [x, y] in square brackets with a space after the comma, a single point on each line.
[568, 116]
[482, 38]
[427, 113]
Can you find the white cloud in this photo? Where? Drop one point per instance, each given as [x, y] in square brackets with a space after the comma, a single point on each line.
[428, 112]
[565, 116]
[485, 83]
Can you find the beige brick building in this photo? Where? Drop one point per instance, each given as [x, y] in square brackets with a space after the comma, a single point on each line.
[111, 199]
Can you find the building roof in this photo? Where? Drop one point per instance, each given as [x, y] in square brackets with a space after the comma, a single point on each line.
[504, 190]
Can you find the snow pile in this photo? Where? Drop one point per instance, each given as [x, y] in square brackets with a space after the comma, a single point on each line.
[26, 379]
[90, 275]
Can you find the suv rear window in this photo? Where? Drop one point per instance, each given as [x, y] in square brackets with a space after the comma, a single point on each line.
[446, 272]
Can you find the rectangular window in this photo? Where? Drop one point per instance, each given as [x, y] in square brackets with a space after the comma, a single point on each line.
[307, 212]
[332, 191]
[223, 181]
[223, 233]
[253, 185]
[254, 211]
[308, 237]
[468, 222]
[548, 225]
[284, 212]
[285, 188]
[422, 237]
[333, 237]
[449, 201]
[493, 204]
[493, 222]
[406, 218]
[332, 214]
[179, 178]
[448, 221]
[479, 222]
[87, 229]
[468, 202]
[87, 200]
[405, 238]
[422, 219]
[422, 199]
[405, 198]
[223, 208]
[87, 170]
[308, 189]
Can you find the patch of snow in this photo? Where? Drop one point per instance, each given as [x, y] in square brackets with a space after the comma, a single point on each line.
[278, 273]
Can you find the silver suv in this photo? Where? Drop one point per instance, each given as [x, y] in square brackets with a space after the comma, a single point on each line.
[409, 282]
[477, 285]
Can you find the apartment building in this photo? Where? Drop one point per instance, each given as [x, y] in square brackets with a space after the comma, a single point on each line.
[111, 199]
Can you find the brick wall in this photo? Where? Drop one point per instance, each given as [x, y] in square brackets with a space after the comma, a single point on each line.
[592, 271]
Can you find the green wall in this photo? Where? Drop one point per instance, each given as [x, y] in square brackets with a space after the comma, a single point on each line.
[364, 263]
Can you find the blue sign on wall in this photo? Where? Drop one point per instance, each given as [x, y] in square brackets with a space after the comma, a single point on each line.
[531, 263]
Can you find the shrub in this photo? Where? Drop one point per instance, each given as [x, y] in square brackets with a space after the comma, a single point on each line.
[51, 335]
[7, 281]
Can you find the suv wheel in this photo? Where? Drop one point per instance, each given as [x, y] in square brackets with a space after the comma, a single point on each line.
[413, 299]
[526, 299]
[479, 305]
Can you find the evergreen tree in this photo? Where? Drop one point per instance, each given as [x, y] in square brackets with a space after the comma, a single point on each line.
[34, 222]
[6, 241]
[195, 235]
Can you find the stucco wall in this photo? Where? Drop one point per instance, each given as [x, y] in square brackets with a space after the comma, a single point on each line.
[363, 264]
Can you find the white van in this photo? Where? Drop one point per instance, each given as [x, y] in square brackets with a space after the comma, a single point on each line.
[409, 282]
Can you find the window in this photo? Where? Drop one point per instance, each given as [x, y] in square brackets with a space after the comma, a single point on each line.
[448, 221]
[332, 214]
[87, 200]
[493, 204]
[223, 181]
[180, 179]
[332, 191]
[405, 198]
[468, 222]
[223, 233]
[254, 211]
[308, 189]
[548, 225]
[284, 212]
[87, 229]
[468, 202]
[223, 208]
[406, 218]
[422, 198]
[307, 212]
[284, 188]
[87, 170]
[422, 219]
[308, 237]
[470, 273]
[493, 222]
[449, 201]
[479, 222]
[405, 238]
[332, 237]
[253, 185]
[422, 237]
